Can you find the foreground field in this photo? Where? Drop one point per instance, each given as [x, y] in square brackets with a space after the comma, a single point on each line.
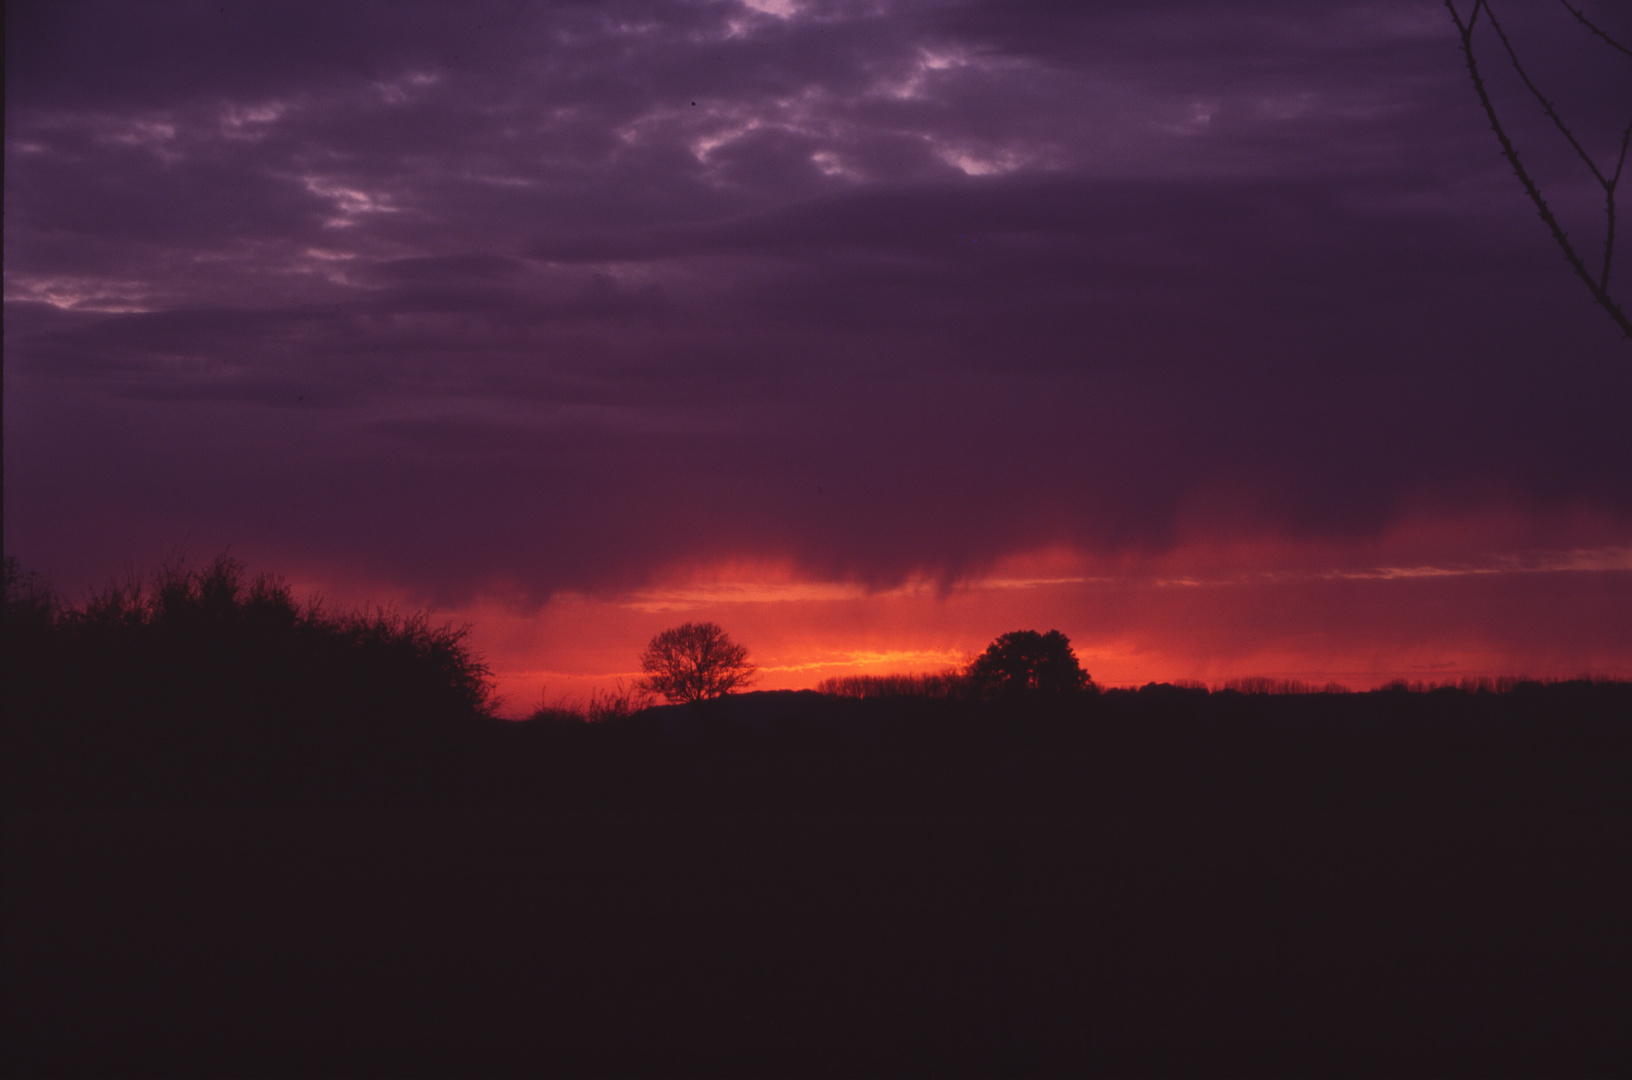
[1155, 883]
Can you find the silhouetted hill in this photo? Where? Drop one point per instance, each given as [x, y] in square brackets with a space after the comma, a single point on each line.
[1157, 748]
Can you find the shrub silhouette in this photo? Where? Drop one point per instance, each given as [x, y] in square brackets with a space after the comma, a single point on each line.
[30, 605]
[694, 662]
[205, 678]
[1027, 663]
[602, 706]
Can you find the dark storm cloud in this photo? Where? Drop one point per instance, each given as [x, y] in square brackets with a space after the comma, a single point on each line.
[560, 294]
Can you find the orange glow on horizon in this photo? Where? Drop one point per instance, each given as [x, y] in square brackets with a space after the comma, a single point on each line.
[1411, 605]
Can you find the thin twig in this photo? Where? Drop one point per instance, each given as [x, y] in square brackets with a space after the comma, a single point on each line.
[1584, 22]
[1609, 208]
[1608, 184]
[1546, 105]
[1599, 293]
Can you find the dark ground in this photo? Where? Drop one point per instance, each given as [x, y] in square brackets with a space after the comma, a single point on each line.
[1158, 883]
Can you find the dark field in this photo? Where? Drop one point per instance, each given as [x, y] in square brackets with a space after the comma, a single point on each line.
[1158, 882]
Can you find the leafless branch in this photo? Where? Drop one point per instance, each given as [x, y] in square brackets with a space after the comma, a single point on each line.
[1588, 24]
[1599, 288]
[1609, 231]
[1546, 106]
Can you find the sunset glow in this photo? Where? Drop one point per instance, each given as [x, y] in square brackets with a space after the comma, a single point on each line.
[1222, 341]
[1360, 615]
[817, 537]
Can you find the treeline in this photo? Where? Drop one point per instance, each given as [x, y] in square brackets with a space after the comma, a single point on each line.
[211, 686]
[936, 685]
[954, 683]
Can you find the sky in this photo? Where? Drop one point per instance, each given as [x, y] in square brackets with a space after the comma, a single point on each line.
[1219, 337]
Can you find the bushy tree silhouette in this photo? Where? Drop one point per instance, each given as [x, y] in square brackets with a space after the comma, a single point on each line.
[694, 662]
[30, 608]
[206, 681]
[1026, 662]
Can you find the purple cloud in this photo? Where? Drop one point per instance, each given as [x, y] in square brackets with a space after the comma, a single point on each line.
[562, 295]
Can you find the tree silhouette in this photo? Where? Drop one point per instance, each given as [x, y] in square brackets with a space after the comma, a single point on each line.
[1026, 662]
[694, 662]
[1597, 285]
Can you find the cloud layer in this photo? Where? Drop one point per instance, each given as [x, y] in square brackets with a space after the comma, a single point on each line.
[553, 299]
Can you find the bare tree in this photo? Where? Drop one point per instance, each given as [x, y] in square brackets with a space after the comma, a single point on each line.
[1597, 284]
[694, 662]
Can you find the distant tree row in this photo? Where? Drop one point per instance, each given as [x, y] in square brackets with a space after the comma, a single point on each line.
[699, 661]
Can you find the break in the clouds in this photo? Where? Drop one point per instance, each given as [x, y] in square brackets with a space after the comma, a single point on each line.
[573, 299]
